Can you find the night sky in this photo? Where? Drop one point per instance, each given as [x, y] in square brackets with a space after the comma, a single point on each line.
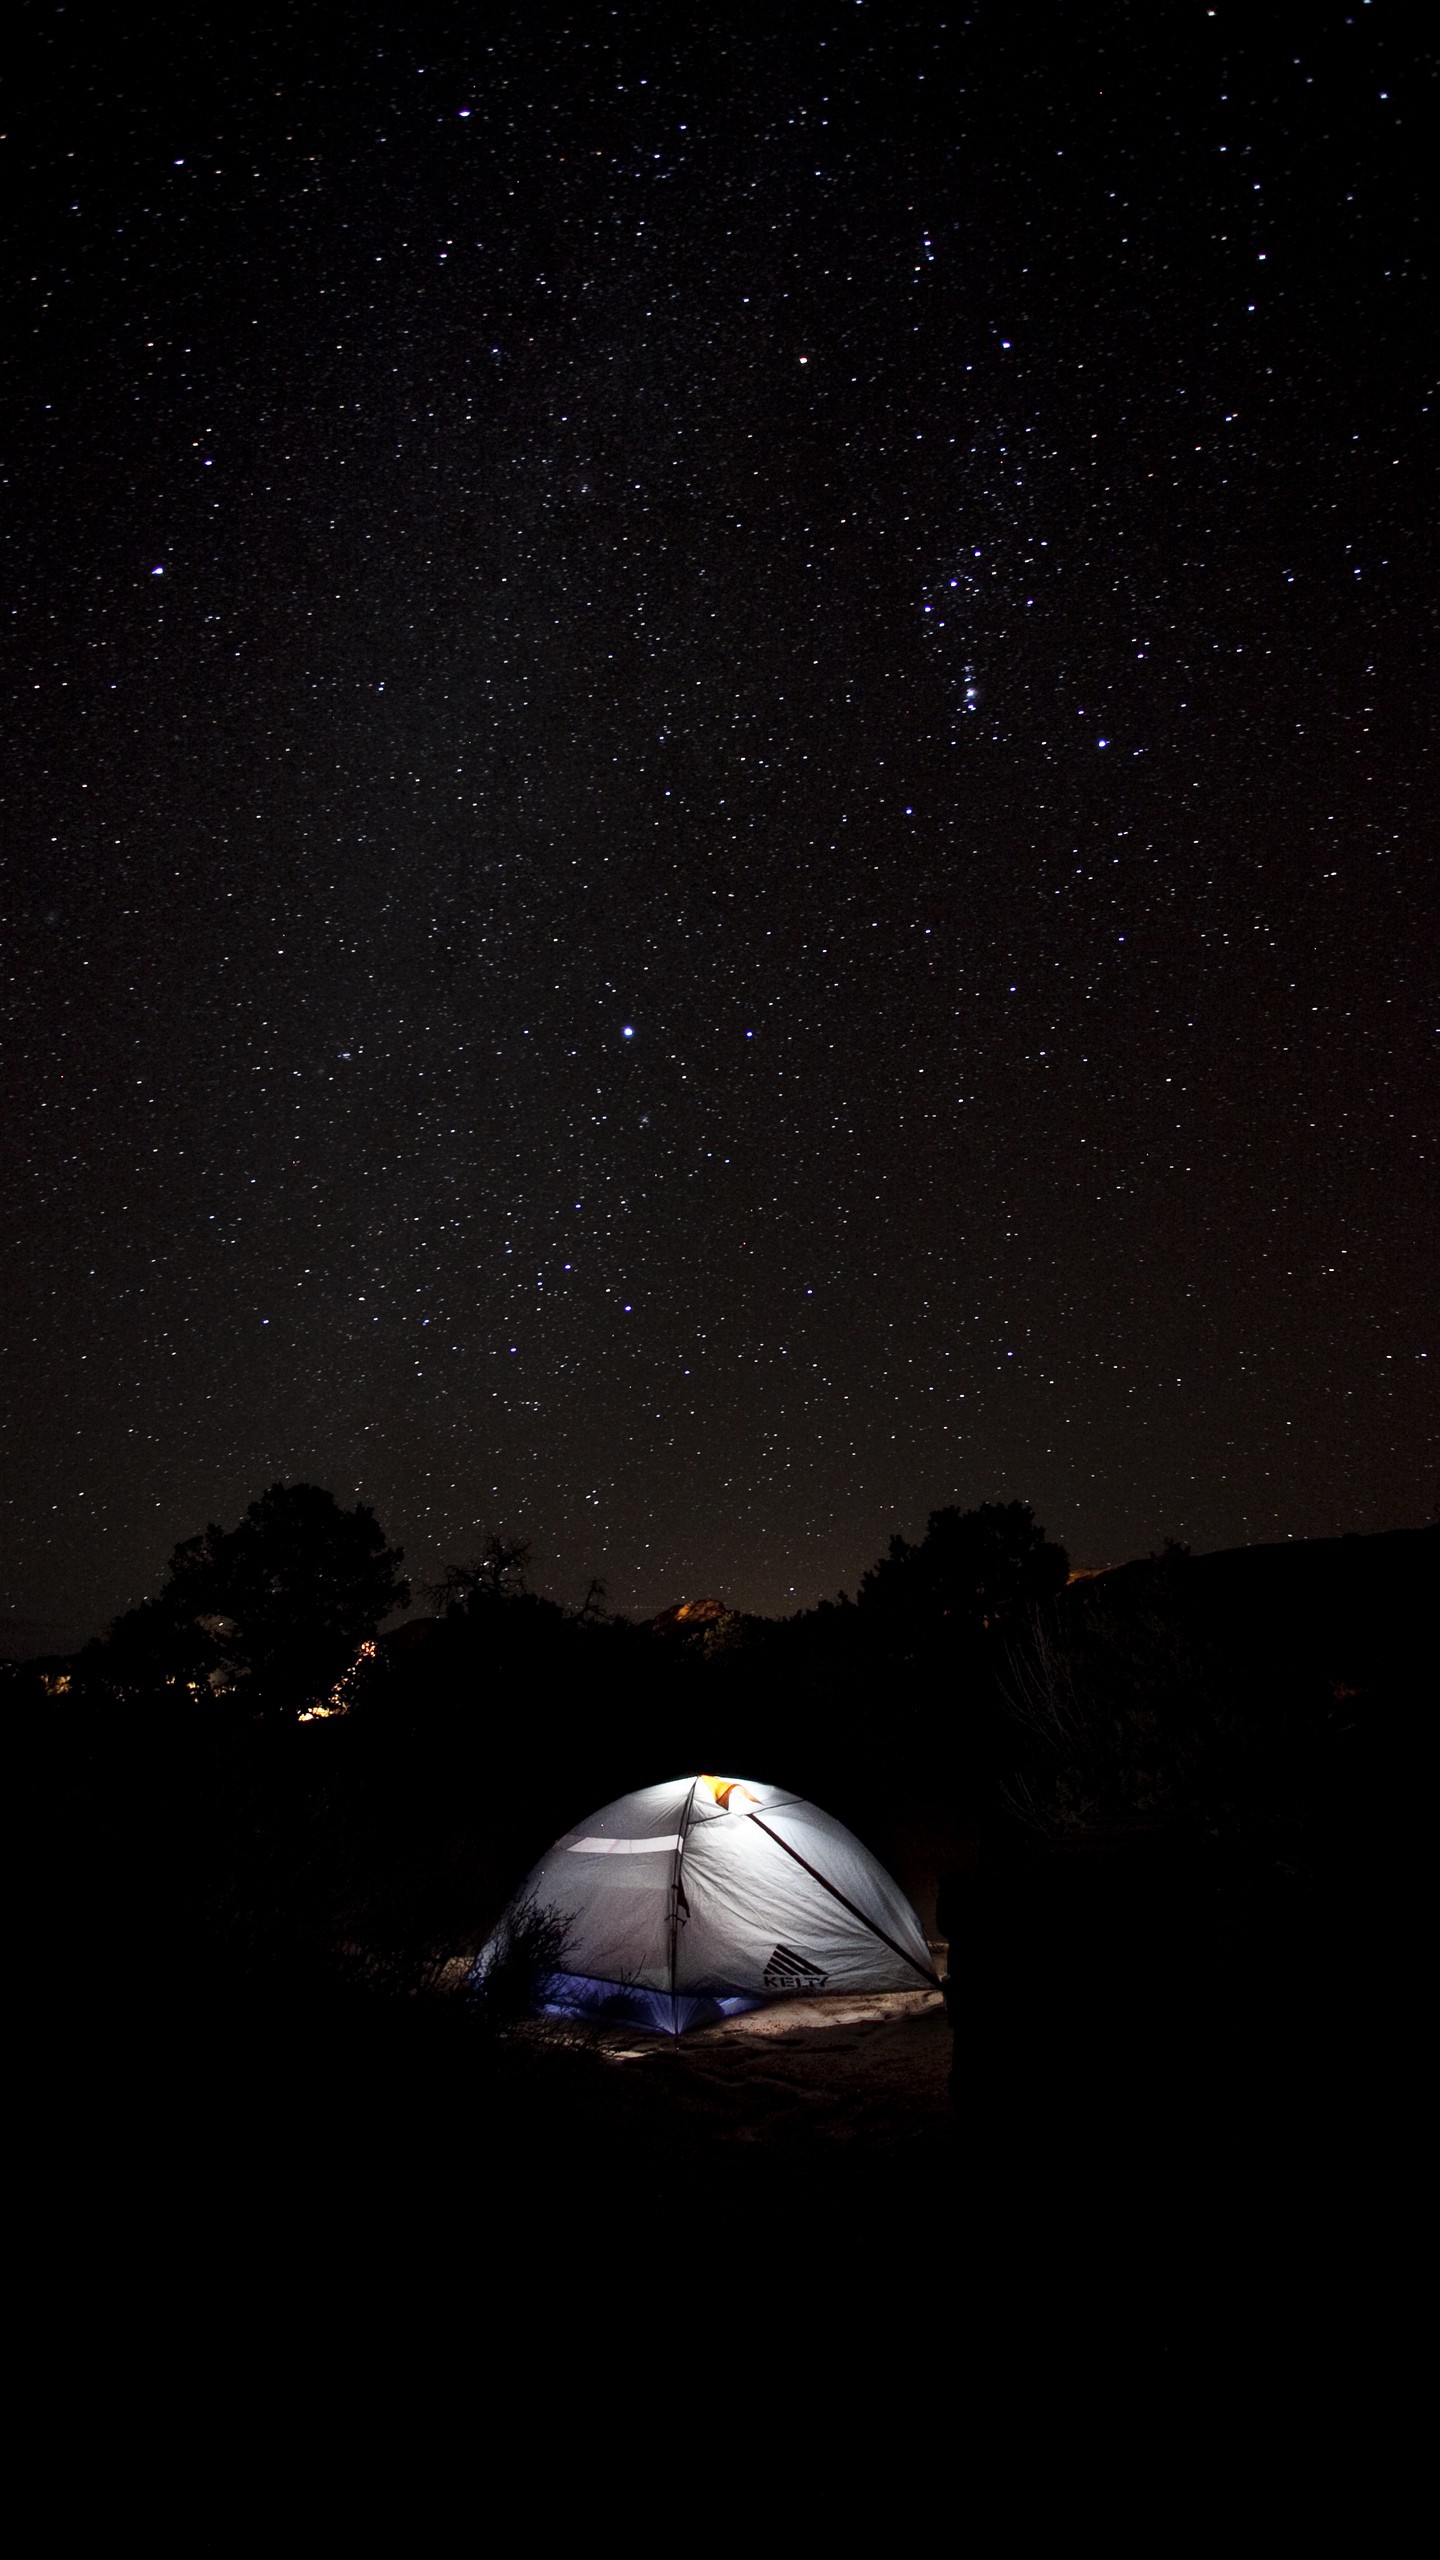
[719, 800]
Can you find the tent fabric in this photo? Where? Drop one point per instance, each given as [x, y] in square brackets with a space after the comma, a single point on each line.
[687, 1901]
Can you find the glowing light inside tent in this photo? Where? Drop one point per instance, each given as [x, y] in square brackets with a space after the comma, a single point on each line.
[731, 1794]
[673, 1919]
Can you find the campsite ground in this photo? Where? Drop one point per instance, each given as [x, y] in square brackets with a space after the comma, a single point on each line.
[1124, 2191]
[869, 2074]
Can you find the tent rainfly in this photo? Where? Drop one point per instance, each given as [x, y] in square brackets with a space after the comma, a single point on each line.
[689, 1901]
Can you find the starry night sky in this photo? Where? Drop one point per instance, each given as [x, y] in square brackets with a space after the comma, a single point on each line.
[719, 809]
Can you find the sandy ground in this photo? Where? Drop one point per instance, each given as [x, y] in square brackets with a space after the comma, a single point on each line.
[834, 2070]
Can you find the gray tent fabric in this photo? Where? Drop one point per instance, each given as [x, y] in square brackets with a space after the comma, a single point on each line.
[701, 1896]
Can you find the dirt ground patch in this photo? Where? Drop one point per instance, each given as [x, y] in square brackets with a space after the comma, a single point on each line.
[836, 2070]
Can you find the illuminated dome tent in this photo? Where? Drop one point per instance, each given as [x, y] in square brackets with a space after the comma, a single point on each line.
[688, 1901]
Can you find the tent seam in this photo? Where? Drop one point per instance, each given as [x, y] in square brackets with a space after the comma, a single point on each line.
[675, 1893]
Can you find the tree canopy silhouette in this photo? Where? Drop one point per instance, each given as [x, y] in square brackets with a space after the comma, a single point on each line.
[498, 1574]
[973, 1573]
[276, 1607]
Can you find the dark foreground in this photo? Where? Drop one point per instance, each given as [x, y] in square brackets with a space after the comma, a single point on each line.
[1151, 2150]
[1154, 2157]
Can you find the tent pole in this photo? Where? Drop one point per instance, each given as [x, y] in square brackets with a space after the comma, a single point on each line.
[833, 1889]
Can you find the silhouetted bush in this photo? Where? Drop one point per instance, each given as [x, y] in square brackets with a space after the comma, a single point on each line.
[530, 1945]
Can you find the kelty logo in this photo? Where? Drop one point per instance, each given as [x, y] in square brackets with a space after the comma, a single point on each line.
[788, 1972]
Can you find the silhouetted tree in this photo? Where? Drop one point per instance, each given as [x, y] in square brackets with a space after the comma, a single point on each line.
[159, 1645]
[973, 1573]
[498, 1574]
[276, 1607]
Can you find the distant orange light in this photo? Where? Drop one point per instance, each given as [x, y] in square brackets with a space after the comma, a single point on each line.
[341, 1697]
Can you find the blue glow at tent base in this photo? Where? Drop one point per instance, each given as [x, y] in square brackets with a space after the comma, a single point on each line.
[628, 2004]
